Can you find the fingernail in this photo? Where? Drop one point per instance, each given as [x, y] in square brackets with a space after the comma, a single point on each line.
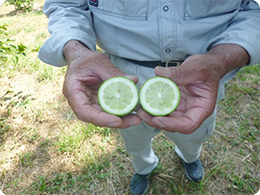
[160, 124]
[134, 123]
[145, 119]
[115, 124]
[164, 71]
[131, 77]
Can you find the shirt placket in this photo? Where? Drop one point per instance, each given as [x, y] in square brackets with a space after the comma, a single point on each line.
[166, 29]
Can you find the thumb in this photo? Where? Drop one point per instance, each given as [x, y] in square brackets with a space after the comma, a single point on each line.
[133, 78]
[110, 70]
[116, 72]
[185, 74]
[177, 74]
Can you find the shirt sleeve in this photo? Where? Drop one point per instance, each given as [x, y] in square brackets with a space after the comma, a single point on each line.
[243, 30]
[68, 20]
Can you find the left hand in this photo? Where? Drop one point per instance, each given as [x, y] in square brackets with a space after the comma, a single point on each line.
[87, 70]
[198, 79]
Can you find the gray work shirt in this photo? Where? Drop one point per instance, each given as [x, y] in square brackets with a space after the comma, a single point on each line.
[151, 30]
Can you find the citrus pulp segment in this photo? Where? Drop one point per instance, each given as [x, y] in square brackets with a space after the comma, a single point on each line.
[159, 96]
[118, 96]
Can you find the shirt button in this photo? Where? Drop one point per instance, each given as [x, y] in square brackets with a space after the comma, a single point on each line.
[168, 50]
[165, 8]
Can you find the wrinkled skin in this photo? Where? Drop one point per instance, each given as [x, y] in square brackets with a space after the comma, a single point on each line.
[87, 70]
[198, 79]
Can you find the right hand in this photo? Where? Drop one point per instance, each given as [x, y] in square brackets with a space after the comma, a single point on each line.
[87, 70]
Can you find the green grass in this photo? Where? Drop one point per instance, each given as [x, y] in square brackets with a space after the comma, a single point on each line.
[46, 150]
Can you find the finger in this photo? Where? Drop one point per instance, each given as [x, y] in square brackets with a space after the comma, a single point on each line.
[89, 113]
[185, 124]
[127, 121]
[178, 121]
[146, 117]
[133, 78]
[176, 74]
[194, 69]
[106, 69]
[98, 117]
[130, 120]
[85, 111]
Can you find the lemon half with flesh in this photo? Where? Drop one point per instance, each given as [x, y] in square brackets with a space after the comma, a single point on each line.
[118, 96]
[159, 96]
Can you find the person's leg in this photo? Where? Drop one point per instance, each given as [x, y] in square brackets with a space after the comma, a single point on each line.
[138, 142]
[188, 147]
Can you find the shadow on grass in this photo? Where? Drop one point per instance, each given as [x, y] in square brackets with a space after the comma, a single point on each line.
[22, 12]
[44, 170]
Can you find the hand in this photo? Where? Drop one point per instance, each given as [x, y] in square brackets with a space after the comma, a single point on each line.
[87, 70]
[198, 81]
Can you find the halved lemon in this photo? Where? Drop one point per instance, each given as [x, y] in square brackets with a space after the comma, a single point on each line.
[159, 96]
[118, 96]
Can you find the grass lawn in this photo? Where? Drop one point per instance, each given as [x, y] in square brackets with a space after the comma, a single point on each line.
[44, 149]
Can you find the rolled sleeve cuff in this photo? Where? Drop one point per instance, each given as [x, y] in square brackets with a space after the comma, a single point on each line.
[51, 52]
[244, 41]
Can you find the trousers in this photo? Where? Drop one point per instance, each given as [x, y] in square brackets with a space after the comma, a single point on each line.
[138, 139]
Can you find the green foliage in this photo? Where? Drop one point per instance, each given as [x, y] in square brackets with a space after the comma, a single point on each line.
[22, 5]
[6, 46]
[61, 182]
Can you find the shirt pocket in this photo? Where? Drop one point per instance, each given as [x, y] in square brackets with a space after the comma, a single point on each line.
[198, 9]
[127, 9]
